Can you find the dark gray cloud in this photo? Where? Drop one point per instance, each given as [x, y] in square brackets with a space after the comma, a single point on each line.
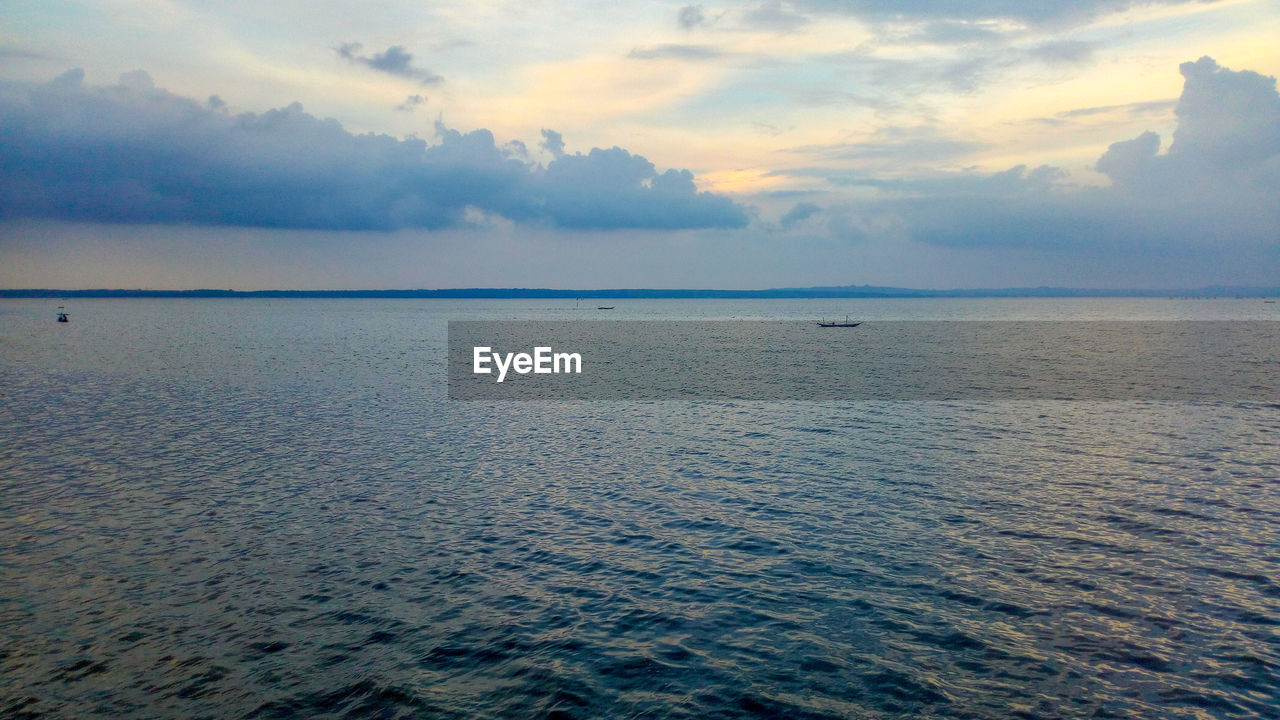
[394, 60]
[613, 188]
[134, 153]
[411, 103]
[1130, 160]
[677, 52]
[552, 142]
[690, 16]
[797, 213]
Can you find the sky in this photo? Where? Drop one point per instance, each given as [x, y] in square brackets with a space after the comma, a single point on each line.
[920, 143]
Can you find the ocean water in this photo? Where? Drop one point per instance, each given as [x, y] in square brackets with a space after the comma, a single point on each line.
[270, 509]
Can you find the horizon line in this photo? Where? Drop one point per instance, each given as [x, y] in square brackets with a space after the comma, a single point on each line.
[492, 293]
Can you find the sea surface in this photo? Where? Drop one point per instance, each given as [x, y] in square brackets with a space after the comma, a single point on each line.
[271, 509]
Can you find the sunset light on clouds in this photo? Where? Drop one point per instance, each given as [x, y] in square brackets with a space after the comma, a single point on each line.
[927, 144]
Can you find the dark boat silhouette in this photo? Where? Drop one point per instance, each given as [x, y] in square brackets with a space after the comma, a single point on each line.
[606, 307]
[62, 316]
[846, 323]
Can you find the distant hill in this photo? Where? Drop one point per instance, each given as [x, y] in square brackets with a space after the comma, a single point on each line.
[840, 291]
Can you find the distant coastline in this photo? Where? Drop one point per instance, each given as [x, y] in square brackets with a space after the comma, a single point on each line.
[843, 291]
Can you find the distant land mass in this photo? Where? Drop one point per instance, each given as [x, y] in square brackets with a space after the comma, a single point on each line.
[840, 291]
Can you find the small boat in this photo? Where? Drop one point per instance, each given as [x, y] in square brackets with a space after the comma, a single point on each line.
[846, 323]
[62, 315]
[606, 307]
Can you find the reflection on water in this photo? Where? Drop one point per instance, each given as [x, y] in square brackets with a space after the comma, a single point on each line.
[268, 509]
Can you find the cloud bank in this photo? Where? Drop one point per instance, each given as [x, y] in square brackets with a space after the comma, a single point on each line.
[1215, 189]
[135, 153]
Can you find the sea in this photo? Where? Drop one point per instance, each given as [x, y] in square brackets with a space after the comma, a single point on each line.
[271, 508]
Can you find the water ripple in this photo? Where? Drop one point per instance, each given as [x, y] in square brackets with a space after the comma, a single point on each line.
[322, 539]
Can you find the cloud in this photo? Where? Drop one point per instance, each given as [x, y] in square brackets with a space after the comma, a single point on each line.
[552, 142]
[771, 15]
[1044, 13]
[770, 129]
[395, 60]
[1210, 198]
[1216, 188]
[10, 52]
[609, 189]
[1122, 114]
[1227, 140]
[1130, 160]
[1225, 116]
[963, 73]
[895, 145]
[1016, 181]
[411, 103]
[953, 32]
[690, 16]
[1149, 107]
[797, 213]
[135, 153]
[676, 52]
[1064, 52]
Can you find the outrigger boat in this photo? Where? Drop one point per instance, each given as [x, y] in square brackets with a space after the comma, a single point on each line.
[846, 323]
